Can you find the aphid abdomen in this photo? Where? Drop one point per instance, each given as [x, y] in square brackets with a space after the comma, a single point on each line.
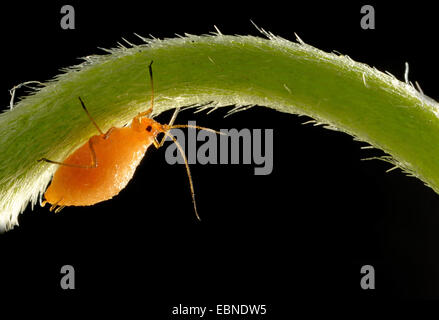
[117, 157]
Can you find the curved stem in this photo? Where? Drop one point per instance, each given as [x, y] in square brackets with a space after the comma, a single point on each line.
[229, 70]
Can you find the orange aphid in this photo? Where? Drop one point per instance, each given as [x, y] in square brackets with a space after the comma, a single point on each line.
[104, 165]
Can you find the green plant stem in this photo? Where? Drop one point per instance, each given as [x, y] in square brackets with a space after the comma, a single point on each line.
[229, 70]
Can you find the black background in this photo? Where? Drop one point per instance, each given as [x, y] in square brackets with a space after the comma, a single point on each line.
[297, 236]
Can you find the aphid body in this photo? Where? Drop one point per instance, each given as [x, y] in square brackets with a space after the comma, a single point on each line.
[117, 152]
[103, 166]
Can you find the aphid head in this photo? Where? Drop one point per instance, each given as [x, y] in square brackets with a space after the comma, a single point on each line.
[147, 125]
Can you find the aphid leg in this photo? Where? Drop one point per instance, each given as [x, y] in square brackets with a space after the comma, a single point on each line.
[59, 209]
[169, 125]
[107, 134]
[55, 205]
[43, 203]
[187, 170]
[156, 143]
[90, 117]
[94, 162]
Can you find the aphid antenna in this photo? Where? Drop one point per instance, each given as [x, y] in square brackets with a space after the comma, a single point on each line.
[194, 127]
[89, 116]
[151, 80]
[188, 171]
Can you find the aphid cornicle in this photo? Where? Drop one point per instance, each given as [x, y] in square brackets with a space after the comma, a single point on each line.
[103, 166]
